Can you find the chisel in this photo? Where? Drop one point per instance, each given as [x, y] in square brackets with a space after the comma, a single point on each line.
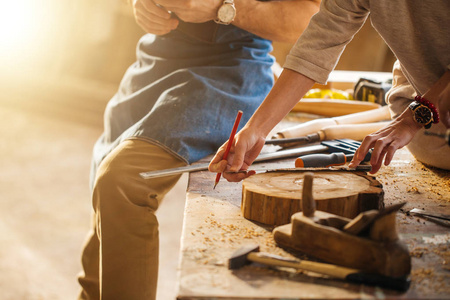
[346, 131]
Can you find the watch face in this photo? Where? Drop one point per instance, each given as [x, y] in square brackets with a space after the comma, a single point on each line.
[226, 13]
[423, 115]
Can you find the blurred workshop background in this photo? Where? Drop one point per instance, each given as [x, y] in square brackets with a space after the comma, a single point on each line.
[60, 62]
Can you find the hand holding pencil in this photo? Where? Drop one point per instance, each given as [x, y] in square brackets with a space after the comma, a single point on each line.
[230, 142]
[234, 157]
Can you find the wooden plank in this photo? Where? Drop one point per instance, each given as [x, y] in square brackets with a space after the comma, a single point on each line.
[272, 198]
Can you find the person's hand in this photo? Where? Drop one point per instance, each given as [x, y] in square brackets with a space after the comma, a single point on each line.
[153, 18]
[386, 141]
[192, 11]
[246, 147]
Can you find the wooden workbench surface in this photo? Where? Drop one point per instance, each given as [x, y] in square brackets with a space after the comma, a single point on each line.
[214, 228]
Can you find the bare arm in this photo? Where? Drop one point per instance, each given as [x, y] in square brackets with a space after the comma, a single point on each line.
[281, 21]
[386, 141]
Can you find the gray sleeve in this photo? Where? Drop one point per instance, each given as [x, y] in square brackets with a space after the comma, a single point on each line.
[318, 49]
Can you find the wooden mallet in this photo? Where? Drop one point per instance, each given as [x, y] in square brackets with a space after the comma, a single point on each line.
[248, 254]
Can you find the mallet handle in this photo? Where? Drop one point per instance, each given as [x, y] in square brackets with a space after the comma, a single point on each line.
[321, 268]
[349, 274]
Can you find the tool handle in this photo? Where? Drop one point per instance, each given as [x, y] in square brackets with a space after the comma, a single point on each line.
[394, 283]
[304, 129]
[333, 107]
[321, 160]
[308, 203]
[320, 268]
[350, 131]
[374, 115]
[353, 275]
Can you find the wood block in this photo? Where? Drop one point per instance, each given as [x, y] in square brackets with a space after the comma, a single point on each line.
[273, 197]
[389, 257]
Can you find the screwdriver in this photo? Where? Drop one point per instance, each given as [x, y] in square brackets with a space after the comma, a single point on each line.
[320, 160]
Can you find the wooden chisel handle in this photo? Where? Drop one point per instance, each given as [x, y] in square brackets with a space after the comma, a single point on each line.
[373, 115]
[350, 131]
[304, 129]
[333, 107]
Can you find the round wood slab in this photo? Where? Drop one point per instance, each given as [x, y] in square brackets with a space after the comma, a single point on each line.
[273, 197]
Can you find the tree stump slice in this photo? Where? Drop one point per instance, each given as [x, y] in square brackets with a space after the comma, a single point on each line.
[272, 198]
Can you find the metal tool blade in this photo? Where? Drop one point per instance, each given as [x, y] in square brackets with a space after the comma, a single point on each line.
[311, 138]
[295, 152]
[417, 211]
[441, 219]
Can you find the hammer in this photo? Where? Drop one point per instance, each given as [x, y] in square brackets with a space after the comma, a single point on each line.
[248, 254]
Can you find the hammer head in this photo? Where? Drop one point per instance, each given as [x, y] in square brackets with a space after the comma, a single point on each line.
[239, 257]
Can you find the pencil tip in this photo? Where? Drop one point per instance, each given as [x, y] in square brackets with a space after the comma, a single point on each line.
[215, 185]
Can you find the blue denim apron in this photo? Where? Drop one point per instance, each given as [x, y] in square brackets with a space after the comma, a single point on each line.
[185, 89]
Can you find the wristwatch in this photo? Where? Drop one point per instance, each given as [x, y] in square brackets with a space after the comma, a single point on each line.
[226, 13]
[422, 114]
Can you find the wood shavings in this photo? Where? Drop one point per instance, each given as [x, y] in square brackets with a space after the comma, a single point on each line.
[419, 252]
[413, 190]
[427, 281]
[431, 279]
[438, 239]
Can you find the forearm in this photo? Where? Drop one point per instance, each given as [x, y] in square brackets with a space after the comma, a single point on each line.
[281, 21]
[287, 91]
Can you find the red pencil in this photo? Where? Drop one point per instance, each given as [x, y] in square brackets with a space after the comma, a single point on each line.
[230, 142]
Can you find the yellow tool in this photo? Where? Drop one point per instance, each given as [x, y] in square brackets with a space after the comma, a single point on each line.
[328, 94]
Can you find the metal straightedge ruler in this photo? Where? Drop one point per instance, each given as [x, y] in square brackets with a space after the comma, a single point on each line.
[288, 153]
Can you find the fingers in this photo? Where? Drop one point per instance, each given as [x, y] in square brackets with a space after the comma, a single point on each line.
[217, 164]
[384, 148]
[361, 152]
[232, 176]
[237, 159]
[376, 164]
[234, 168]
[152, 18]
[218, 167]
[390, 153]
[238, 176]
[175, 4]
[378, 151]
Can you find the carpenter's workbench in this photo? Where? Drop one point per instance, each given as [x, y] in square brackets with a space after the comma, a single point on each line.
[214, 228]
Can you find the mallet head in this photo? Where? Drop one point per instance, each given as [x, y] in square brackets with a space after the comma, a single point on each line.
[239, 257]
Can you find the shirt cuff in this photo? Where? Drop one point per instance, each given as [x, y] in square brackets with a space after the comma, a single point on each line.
[306, 68]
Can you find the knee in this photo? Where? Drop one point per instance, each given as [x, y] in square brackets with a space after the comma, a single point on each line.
[119, 184]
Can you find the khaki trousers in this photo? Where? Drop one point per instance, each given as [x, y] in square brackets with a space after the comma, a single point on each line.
[120, 257]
